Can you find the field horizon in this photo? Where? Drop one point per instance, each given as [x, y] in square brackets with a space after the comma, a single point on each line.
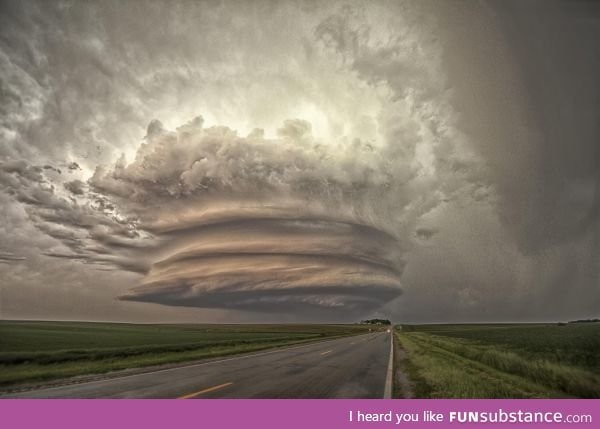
[558, 360]
[37, 352]
[489, 360]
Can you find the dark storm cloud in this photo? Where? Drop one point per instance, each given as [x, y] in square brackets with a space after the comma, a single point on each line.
[267, 222]
[289, 261]
[534, 251]
[558, 196]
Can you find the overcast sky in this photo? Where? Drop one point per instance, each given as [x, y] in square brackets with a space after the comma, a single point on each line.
[240, 161]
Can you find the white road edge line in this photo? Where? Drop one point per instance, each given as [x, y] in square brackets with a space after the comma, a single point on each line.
[387, 391]
[245, 356]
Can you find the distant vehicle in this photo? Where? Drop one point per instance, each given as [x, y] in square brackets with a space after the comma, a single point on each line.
[389, 330]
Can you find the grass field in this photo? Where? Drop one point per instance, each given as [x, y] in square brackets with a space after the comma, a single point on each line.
[32, 352]
[502, 360]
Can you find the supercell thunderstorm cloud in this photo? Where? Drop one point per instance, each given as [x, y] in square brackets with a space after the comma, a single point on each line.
[283, 224]
[299, 161]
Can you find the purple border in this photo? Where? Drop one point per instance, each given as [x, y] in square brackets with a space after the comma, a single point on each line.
[272, 413]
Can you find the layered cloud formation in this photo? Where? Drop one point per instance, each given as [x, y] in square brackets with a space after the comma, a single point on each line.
[213, 219]
[382, 158]
[261, 224]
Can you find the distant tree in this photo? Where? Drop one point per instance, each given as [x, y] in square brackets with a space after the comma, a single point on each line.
[376, 322]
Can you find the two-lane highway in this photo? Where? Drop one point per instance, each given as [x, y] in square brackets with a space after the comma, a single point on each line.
[351, 367]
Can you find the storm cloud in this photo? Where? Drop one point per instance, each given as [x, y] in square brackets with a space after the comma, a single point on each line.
[300, 160]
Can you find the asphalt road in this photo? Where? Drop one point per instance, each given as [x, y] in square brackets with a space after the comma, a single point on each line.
[352, 367]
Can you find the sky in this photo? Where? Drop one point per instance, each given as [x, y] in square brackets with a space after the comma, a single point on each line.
[300, 161]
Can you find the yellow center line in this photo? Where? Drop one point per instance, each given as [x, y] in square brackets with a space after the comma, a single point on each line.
[324, 353]
[210, 389]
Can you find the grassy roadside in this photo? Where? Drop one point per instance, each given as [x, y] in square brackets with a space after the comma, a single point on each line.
[482, 361]
[403, 384]
[414, 386]
[37, 352]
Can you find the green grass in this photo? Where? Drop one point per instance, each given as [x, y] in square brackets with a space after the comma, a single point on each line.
[42, 351]
[503, 361]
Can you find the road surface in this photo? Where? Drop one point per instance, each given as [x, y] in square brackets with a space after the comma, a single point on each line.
[351, 367]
